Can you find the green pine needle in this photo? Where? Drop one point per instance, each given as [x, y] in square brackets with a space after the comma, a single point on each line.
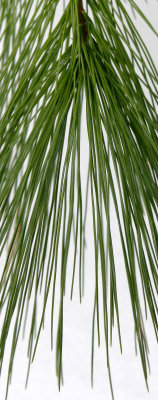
[46, 70]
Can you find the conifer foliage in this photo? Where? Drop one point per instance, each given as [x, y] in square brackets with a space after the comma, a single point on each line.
[48, 65]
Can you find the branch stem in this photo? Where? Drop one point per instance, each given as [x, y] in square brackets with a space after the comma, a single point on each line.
[82, 20]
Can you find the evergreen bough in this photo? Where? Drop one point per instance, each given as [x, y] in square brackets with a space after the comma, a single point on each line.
[47, 69]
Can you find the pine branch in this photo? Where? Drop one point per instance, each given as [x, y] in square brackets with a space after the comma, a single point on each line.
[82, 20]
[43, 78]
